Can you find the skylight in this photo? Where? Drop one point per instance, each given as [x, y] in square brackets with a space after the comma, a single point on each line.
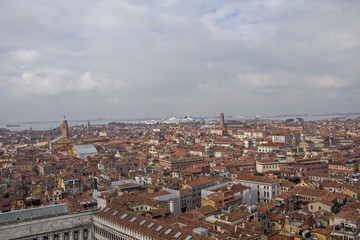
[114, 213]
[124, 216]
[150, 225]
[142, 222]
[159, 228]
[106, 210]
[133, 219]
[178, 234]
[168, 231]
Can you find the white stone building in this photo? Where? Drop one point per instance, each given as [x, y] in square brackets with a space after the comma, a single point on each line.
[267, 188]
[51, 222]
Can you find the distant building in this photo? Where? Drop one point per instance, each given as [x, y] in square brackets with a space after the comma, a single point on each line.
[342, 167]
[306, 167]
[269, 165]
[71, 184]
[346, 224]
[273, 147]
[6, 161]
[88, 128]
[180, 163]
[48, 168]
[267, 188]
[222, 121]
[63, 140]
[64, 128]
[60, 142]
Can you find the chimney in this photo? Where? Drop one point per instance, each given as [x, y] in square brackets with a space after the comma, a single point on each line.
[172, 206]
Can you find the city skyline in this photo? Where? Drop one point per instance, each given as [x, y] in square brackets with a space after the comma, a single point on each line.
[132, 59]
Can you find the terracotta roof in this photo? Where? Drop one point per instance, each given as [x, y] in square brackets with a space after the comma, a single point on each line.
[265, 207]
[147, 226]
[199, 181]
[199, 213]
[235, 215]
[255, 178]
[288, 184]
[353, 216]
[322, 231]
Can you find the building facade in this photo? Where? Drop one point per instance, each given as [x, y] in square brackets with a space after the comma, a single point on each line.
[267, 188]
[51, 222]
[115, 223]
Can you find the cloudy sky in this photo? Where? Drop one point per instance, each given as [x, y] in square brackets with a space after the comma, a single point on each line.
[140, 59]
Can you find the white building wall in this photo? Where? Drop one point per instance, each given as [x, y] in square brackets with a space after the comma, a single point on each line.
[250, 197]
[49, 226]
[264, 191]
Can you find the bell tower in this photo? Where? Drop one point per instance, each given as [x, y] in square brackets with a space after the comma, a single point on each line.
[64, 128]
[222, 121]
[88, 129]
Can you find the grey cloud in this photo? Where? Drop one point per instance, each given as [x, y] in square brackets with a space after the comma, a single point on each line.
[133, 58]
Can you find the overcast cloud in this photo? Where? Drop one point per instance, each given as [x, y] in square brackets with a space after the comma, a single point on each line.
[139, 59]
